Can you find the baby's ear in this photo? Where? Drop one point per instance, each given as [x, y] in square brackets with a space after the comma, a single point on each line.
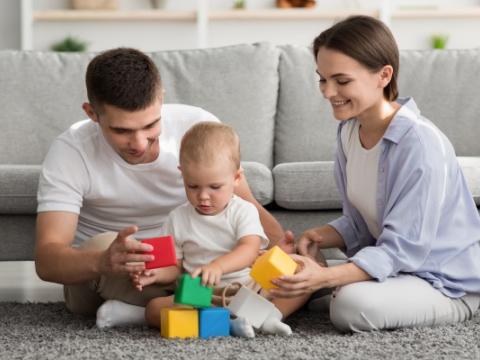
[238, 175]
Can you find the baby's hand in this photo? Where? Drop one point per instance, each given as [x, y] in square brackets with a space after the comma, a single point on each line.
[211, 274]
[143, 278]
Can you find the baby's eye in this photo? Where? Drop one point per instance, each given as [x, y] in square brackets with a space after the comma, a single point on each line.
[192, 186]
[216, 187]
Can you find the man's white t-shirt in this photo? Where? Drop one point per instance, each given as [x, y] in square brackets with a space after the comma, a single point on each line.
[82, 174]
[200, 239]
[362, 175]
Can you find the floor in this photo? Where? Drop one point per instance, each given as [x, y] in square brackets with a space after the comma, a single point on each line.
[19, 282]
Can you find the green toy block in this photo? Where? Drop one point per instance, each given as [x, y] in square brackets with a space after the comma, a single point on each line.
[190, 292]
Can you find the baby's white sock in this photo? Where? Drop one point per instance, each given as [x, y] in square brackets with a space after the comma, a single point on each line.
[117, 313]
[274, 325]
[241, 328]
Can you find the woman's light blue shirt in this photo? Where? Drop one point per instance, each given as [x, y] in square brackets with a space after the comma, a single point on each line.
[429, 223]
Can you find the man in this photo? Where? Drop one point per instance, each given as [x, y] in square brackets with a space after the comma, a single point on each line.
[112, 177]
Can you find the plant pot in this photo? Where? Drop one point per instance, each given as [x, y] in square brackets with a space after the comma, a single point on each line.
[158, 4]
[95, 4]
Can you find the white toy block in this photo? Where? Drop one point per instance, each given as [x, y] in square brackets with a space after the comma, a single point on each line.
[251, 306]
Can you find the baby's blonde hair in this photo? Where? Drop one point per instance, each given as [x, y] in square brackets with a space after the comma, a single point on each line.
[208, 141]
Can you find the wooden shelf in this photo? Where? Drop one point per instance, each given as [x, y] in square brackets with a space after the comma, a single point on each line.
[112, 15]
[439, 13]
[286, 14]
[247, 14]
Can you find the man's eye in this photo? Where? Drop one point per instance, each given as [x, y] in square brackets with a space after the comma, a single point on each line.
[120, 131]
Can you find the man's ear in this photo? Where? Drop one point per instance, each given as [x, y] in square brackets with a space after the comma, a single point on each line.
[91, 113]
[386, 74]
[179, 168]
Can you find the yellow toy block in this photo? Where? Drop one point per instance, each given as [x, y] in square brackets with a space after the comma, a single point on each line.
[271, 265]
[177, 322]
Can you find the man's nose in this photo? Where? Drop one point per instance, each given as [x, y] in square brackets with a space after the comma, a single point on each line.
[138, 141]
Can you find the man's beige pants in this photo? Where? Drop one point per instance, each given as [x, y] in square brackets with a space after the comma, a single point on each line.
[85, 298]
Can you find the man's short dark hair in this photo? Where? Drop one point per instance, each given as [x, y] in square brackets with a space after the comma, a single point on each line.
[123, 77]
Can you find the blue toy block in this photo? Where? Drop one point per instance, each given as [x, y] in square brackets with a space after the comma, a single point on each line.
[214, 321]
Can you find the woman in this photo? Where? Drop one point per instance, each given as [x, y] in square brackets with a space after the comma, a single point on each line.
[410, 228]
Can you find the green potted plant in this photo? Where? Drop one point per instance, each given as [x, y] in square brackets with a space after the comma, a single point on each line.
[70, 44]
[439, 41]
[239, 4]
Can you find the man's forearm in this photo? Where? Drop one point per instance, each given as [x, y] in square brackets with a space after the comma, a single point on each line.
[67, 265]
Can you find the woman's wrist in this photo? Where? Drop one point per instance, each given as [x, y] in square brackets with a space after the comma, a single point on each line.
[346, 274]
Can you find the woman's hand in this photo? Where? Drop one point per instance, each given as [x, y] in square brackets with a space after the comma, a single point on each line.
[310, 276]
[211, 274]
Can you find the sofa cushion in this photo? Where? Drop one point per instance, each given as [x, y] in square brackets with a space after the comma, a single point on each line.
[444, 84]
[18, 189]
[471, 169]
[237, 83]
[42, 95]
[19, 183]
[305, 128]
[306, 186]
[311, 185]
[260, 179]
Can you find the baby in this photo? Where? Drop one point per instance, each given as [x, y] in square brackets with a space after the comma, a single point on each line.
[217, 234]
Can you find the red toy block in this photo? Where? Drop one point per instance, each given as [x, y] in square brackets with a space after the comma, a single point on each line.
[163, 250]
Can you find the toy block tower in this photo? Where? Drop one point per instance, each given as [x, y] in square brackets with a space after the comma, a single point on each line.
[190, 292]
[214, 321]
[177, 322]
[271, 265]
[163, 250]
[251, 306]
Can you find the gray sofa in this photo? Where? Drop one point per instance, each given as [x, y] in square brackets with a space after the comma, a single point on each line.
[269, 94]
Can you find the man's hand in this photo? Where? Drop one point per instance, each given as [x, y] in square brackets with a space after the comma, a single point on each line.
[287, 243]
[211, 274]
[123, 254]
[308, 243]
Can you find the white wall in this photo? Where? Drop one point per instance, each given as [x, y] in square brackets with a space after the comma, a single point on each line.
[156, 35]
[9, 24]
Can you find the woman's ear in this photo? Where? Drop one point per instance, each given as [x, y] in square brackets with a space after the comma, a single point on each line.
[386, 74]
